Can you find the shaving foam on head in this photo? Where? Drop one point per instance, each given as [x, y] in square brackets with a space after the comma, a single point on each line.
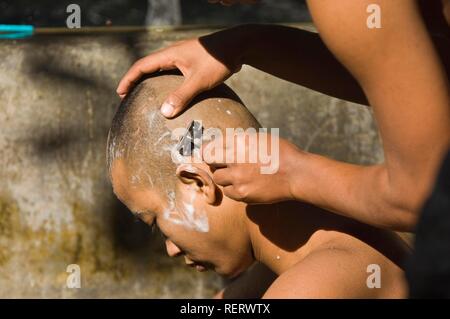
[185, 214]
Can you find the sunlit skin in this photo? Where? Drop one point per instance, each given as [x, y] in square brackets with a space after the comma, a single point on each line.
[299, 244]
[400, 70]
[198, 248]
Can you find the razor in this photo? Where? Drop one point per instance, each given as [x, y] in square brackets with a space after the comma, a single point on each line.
[191, 139]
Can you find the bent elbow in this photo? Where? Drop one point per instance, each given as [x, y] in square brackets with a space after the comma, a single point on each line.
[403, 219]
[404, 210]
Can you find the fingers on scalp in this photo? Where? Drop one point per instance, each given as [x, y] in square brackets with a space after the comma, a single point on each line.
[148, 64]
[132, 75]
[184, 94]
[213, 160]
[212, 152]
[231, 192]
[222, 177]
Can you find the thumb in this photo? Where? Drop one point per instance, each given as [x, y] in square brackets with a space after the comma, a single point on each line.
[179, 99]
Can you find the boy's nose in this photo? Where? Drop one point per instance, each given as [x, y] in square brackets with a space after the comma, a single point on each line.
[172, 249]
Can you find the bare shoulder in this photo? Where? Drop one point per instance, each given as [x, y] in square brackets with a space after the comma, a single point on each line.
[348, 270]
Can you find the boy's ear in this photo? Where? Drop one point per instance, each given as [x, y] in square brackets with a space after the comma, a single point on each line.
[199, 178]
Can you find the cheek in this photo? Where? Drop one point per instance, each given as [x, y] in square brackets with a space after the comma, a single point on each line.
[186, 239]
[168, 228]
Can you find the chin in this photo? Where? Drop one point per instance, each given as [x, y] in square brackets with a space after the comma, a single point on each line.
[229, 272]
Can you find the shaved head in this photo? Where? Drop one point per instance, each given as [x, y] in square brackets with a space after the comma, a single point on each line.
[174, 192]
[142, 138]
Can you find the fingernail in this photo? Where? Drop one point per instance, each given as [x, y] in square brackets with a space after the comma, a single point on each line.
[167, 109]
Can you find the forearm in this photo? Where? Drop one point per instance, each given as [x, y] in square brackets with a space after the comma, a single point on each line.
[298, 56]
[364, 193]
[405, 82]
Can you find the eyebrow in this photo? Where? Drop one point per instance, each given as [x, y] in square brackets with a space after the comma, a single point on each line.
[138, 214]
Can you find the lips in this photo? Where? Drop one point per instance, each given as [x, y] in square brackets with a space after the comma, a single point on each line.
[199, 267]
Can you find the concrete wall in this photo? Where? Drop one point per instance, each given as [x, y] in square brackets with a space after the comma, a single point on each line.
[57, 98]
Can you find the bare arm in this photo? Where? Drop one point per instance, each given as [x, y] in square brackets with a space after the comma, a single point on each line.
[404, 80]
[405, 83]
[298, 56]
[292, 54]
[397, 68]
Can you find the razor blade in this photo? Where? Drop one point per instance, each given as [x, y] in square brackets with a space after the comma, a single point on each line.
[191, 140]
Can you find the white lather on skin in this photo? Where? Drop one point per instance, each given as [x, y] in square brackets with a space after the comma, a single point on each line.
[162, 137]
[186, 215]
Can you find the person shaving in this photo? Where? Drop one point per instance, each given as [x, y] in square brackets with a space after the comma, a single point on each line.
[302, 251]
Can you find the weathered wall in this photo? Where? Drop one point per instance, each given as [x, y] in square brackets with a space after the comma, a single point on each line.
[57, 98]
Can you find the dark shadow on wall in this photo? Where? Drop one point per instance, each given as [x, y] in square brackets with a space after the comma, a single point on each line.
[64, 139]
[263, 11]
[48, 13]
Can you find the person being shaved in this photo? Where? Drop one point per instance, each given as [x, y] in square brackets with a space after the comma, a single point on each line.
[390, 55]
[285, 249]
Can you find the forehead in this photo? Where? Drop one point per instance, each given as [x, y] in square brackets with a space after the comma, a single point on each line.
[137, 198]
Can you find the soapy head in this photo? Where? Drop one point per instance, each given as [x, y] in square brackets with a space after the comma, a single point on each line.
[151, 167]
